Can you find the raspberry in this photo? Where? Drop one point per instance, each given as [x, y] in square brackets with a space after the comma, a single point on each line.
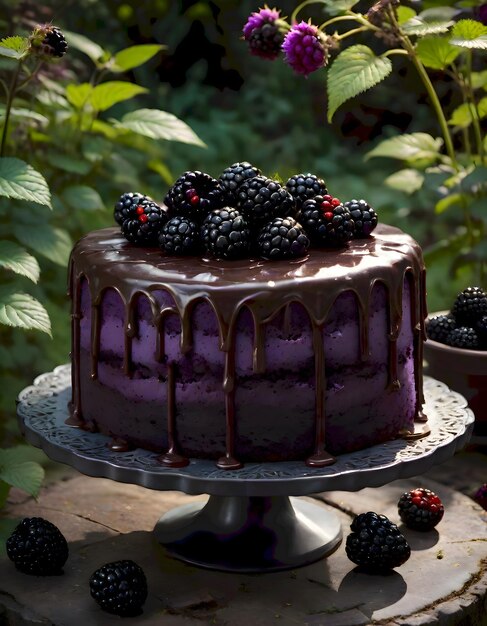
[180, 235]
[232, 177]
[463, 337]
[469, 306]
[119, 588]
[327, 221]
[141, 221]
[261, 199]
[264, 32]
[283, 238]
[481, 328]
[48, 41]
[363, 215]
[302, 187]
[438, 328]
[37, 547]
[420, 509]
[376, 544]
[194, 195]
[305, 49]
[225, 234]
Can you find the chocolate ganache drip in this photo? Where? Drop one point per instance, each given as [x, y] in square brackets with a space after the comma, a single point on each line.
[105, 260]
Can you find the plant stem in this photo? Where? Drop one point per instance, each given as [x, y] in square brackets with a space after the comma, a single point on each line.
[301, 6]
[349, 33]
[400, 51]
[474, 109]
[10, 98]
[341, 18]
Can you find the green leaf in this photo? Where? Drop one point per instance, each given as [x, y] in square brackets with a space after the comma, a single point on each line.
[448, 201]
[25, 113]
[161, 169]
[68, 163]
[469, 34]
[436, 52]
[20, 454]
[408, 147]
[462, 116]
[475, 180]
[445, 249]
[420, 27]
[438, 14]
[134, 56]
[21, 181]
[27, 476]
[404, 14]
[7, 526]
[15, 258]
[22, 310]
[53, 243]
[335, 7]
[355, 70]
[85, 45]
[479, 79]
[407, 180]
[14, 47]
[159, 125]
[83, 198]
[106, 95]
[78, 95]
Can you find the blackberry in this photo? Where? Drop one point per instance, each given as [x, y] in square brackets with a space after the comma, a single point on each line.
[194, 195]
[143, 221]
[420, 509]
[302, 187]
[261, 199]
[481, 328]
[327, 221]
[180, 235]
[119, 587]
[37, 547]
[232, 177]
[376, 544]
[463, 337]
[126, 205]
[480, 496]
[469, 306]
[225, 234]
[264, 32]
[363, 215]
[305, 48]
[48, 41]
[438, 328]
[283, 238]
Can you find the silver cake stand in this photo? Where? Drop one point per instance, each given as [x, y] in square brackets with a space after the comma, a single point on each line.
[250, 523]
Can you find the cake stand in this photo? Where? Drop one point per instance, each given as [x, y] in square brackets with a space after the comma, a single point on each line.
[250, 523]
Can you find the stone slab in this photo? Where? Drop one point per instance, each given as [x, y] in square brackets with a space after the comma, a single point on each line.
[106, 521]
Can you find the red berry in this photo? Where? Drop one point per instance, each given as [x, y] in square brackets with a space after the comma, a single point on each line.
[143, 218]
[420, 509]
[328, 215]
[194, 200]
[335, 202]
[139, 210]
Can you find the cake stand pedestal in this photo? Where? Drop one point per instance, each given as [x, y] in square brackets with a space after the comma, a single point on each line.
[249, 524]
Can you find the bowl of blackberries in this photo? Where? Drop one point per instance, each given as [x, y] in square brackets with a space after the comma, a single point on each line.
[456, 350]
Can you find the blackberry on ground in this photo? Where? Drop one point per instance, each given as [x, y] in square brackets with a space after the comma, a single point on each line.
[302, 187]
[327, 221]
[142, 221]
[463, 337]
[225, 234]
[194, 195]
[180, 235]
[283, 238]
[37, 547]
[469, 306]
[119, 587]
[232, 177]
[261, 199]
[438, 328]
[420, 509]
[481, 328]
[363, 215]
[48, 41]
[376, 544]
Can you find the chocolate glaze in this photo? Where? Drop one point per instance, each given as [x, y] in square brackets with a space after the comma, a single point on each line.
[107, 260]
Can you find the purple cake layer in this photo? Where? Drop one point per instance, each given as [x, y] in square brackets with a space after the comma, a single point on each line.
[248, 360]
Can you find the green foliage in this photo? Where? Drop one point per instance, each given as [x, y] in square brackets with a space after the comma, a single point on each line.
[18, 468]
[469, 34]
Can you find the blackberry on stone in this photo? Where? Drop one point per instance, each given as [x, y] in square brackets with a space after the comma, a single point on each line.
[283, 238]
[481, 328]
[469, 306]
[363, 215]
[420, 509]
[327, 221]
[232, 177]
[142, 221]
[48, 41]
[119, 588]
[194, 195]
[37, 547]
[180, 235]
[376, 544]
[225, 234]
[438, 328]
[261, 199]
[302, 187]
[463, 337]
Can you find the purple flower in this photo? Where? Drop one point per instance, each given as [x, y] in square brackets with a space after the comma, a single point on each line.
[304, 48]
[264, 33]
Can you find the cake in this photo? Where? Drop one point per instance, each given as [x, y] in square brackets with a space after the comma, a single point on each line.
[247, 360]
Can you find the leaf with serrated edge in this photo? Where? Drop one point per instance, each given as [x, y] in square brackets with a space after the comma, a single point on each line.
[14, 47]
[108, 94]
[53, 243]
[354, 71]
[407, 180]
[436, 52]
[20, 454]
[159, 125]
[83, 198]
[27, 476]
[78, 95]
[408, 147]
[134, 56]
[22, 310]
[469, 34]
[21, 181]
[18, 260]
[421, 28]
